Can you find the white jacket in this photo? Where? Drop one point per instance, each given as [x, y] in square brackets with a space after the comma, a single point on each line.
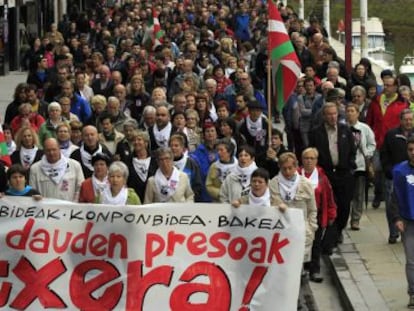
[68, 188]
[366, 146]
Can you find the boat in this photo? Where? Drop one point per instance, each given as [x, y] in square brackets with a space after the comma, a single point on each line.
[407, 67]
[375, 34]
[377, 51]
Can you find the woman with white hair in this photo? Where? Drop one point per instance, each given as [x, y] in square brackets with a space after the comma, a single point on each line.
[168, 184]
[148, 117]
[48, 129]
[118, 193]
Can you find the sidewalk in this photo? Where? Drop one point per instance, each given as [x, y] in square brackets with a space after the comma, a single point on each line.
[7, 85]
[369, 272]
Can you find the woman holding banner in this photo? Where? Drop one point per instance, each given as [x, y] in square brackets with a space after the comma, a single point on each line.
[259, 193]
[92, 187]
[168, 184]
[290, 188]
[16, 176]
[118, 193]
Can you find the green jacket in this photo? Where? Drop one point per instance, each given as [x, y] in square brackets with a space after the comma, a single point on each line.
[132, 198]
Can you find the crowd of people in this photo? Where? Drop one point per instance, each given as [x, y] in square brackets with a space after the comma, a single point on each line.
[115, 113]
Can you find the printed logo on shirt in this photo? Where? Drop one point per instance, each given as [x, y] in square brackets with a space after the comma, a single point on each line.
[410, 179]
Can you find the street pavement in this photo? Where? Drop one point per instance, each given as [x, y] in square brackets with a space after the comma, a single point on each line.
[370, 273]
[367, 272]
[7, 85]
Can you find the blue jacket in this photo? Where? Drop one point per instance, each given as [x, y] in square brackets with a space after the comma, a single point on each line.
[201, 156]
[230, 95]
[242, 27]
[403, 178]
[81, 108]
[192, 170]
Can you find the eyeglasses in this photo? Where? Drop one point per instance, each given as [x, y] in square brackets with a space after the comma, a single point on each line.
[309, 158]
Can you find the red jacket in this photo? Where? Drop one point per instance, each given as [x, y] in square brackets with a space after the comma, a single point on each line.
[87, 194]
[36, 120]
[325, 202]
[379, 123]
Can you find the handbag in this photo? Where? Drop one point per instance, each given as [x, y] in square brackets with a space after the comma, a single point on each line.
[369, 166]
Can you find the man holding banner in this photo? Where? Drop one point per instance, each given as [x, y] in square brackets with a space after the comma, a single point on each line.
[56, 176]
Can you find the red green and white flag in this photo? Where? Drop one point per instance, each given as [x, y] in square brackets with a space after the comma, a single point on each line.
[285, 63]
[4, 150]
[158, 32]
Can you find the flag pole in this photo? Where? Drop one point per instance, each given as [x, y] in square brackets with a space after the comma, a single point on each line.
[269, 101]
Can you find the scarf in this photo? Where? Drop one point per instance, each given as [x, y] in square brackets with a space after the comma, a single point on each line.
[141, 167]
[255, 128]
[15, 192]
[166, 187]
[27, 156]
[55, 171]
[120, 199]
[385, 102]
[11, 147]
[180, 163]
[264, 200]
[109, 136]
[86, 157]
[313, 178]
[224, 169]
[288, 187]
[244, 174]
[53, 125]
[99, 186]
[162, 136]
[65, 148]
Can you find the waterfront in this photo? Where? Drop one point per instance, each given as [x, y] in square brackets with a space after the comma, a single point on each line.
[396, 16]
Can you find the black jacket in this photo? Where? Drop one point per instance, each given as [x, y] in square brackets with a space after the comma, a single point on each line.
[271, 165]
[393, 150]
[318, 138]
[76, 155]
[259, 143]
[135, 182]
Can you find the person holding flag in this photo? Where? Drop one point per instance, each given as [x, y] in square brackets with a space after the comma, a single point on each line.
[4, 150]
[282, 60]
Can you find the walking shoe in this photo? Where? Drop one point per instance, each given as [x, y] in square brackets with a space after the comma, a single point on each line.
[376, 203]
[393, 239]
[340, 238]
[316, 277]
[410, 304]
[355, 226]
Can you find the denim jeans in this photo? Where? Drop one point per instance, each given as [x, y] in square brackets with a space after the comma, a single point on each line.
[379, 187]
[388, 208]
[357, 203]
[408, 243]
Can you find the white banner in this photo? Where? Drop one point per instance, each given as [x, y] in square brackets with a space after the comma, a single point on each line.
[155, 257]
